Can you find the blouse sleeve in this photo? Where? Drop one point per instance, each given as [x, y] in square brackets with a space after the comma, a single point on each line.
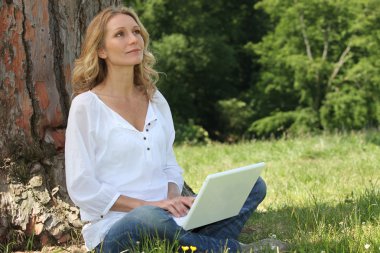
[173, 170]
[93, 197]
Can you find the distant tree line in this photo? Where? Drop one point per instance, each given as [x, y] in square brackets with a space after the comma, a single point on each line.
[255, 69]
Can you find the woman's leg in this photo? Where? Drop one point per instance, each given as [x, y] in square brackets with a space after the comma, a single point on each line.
[231, 228]
[154, 222]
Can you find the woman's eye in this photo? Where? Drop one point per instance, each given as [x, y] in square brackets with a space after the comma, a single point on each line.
[119, 34]
[137, 32]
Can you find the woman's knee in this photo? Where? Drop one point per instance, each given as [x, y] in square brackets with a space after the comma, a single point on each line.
[260, 188]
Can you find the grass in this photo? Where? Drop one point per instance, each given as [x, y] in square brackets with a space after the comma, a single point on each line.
[323, 191]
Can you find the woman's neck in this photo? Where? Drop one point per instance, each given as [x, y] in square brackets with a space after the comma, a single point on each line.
[118, 83]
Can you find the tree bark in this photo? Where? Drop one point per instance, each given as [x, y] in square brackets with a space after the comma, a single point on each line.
[39, 42]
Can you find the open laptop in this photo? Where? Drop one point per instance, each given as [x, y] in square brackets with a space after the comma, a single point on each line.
[221, 196]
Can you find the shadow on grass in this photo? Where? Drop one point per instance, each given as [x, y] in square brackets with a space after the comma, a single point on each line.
[373, 137]
[346, 226]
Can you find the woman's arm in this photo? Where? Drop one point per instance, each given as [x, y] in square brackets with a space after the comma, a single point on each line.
[173, 190]
[177, 205]
[94, 198]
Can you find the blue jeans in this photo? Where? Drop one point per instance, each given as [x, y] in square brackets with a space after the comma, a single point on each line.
[153, 222]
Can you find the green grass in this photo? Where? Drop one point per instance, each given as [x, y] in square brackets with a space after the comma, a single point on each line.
[323, 191]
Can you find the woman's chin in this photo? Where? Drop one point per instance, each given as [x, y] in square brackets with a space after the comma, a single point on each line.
[128, 63]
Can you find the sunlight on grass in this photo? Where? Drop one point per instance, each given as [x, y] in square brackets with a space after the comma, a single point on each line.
[323, 191]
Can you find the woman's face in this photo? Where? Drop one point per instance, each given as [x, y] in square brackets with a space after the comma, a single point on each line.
[123, 44]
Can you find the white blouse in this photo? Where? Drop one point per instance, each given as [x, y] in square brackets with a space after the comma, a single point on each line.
[106, 157]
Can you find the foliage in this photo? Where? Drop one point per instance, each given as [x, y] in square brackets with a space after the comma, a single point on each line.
[274, 125]
[345, 109]
[200, 48]
[191, 133]
[296, 122]
[280, 58]
[321, 55]
[234, 118]
[306, 122]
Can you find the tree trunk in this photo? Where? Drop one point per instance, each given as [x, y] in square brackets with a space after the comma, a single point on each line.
[39, 42]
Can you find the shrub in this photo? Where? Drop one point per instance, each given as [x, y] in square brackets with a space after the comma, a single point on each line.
[306, 121]
[296, 122]
[344, 109]
[234, 118]
[191, 133]
[274, 125]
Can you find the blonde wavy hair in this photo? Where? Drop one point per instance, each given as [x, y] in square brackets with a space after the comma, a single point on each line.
[90, 70]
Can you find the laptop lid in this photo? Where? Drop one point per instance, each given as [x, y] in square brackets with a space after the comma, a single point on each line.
[221, 196]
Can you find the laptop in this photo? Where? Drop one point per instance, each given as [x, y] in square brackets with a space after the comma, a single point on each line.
[221, 196]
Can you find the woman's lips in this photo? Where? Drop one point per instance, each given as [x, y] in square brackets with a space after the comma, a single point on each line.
[134, 50]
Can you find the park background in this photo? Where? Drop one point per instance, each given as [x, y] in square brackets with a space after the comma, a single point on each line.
[236, 70]
[293, 83]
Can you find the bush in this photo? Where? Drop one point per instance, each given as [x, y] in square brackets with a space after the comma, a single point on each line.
[306, 121]
[191, 133]
[274, 125]
[344, 109]
[234, 118]
[292, 123]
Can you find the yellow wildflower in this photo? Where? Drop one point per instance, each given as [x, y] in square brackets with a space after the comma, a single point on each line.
[193, 248]
[185, 248]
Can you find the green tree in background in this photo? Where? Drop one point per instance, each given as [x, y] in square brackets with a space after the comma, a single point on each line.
[199, 46]
[320, 66]
[266, 67]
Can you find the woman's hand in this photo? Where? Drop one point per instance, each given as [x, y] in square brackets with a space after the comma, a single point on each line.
[178, 206]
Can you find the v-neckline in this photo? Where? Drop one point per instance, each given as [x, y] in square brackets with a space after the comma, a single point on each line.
[148, 110]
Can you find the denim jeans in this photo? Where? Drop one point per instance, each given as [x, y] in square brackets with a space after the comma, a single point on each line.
[153, 222]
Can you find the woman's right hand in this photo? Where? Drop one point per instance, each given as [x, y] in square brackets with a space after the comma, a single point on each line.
[178, 206]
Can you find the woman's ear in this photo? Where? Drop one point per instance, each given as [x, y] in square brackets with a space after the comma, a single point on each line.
[101, 53]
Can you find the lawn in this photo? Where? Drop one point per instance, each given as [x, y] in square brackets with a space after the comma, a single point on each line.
[323, 191]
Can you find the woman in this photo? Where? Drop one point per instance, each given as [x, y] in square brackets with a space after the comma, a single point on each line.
[120, 167]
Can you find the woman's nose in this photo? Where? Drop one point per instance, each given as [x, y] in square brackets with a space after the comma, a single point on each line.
[131, 38]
